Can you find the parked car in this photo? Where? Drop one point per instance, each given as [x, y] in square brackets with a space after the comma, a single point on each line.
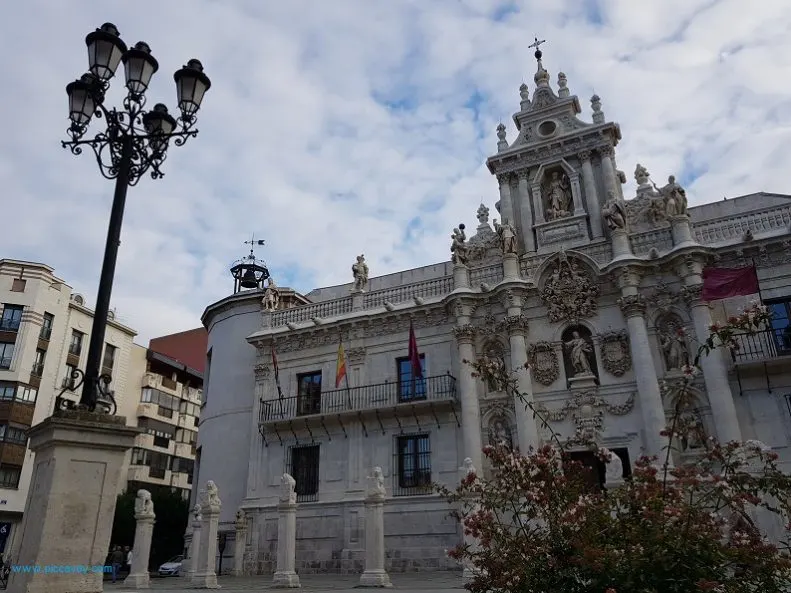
[172, 567]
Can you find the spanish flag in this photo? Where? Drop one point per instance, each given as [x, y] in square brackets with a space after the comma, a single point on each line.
[340, 369]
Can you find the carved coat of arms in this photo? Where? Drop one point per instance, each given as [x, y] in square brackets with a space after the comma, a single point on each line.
[543, 362]
[615, 354]
[569, 293]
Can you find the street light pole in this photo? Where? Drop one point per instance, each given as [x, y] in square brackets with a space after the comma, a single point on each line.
[134, 143]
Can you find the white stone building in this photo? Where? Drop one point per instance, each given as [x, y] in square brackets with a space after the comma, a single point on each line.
[588, 284]
[44, 335]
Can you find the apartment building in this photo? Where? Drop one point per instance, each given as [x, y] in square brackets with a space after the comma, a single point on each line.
[164, 398]
[44, 333]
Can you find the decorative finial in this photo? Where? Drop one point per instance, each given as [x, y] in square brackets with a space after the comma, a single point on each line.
[598, 114]
[563, 90]
[524, 94]
[483, 215]
[502, 143]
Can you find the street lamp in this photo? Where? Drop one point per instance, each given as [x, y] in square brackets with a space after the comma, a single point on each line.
[134, 143]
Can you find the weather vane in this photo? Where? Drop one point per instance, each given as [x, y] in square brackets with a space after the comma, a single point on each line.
[537, 45]
[253, 242]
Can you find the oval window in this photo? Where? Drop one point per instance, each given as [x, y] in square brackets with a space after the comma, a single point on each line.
[547, 128]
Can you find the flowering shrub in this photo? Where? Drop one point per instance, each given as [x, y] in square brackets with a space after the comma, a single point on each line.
[537, 526]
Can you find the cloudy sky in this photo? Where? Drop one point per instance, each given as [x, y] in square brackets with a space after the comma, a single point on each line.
[335, 128]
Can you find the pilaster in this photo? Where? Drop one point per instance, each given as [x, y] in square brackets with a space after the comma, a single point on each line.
[591, 194]
[526, 212]
[607, 154]
[468, 392]
[506, 201]
[516, 325]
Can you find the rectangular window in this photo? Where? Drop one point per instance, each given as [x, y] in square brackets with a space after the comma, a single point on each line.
[781, 324]
[68, 380]
[309, 393]
[160, 463]
[410, 387]
[27, 394]
[9, 476]
[11, 318]
[7, 390]
[305, 470]
[75, 346]
[413, 465]
[161, 442]
[38, 363]
[139, 456]
[108, 360]
[12, 434]
[46, 326]
[6, 354]
[18, 285]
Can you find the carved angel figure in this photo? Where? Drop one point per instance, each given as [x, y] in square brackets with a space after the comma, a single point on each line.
[143, 503]
[507, 236]
[288, 489]
[614, 213]
[459, 248]
[376, 483]
[675, 197]
[579, 350]
[271, 299]
[360, 273]
[558, 194]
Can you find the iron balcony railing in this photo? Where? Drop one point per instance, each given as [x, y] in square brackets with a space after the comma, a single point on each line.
[365, 397]
[762, 345]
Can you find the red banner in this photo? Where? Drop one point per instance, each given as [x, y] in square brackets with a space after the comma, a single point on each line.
[722, 283]
[414, 355]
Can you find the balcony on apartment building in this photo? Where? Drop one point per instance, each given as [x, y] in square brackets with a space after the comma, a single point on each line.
[761, 347]
[398, 399]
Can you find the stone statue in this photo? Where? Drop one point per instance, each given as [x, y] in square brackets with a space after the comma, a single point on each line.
[143, 503]
[468, 467]
[376, 483]
[641, 175]
[675, 197]
[614, 213]
[459, 248]
[558, 196]
[196, 512]
[674, 348]
[288, 491]
[614, 471]
[212, 494]
[500, 434]
[693, 436]
[240, 519]
[507, 236]
[360, 273]
[271, 299]
[579, 350]
[482, 214]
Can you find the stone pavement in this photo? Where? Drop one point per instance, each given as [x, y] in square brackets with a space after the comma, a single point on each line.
[425, 582]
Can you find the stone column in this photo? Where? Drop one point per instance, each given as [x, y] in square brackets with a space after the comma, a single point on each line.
[633, 307]
[205, 576]
[375, 574]
[461, 276]
[468, 388]
[286, 575]
[197, 522]
[516, 324]
[621, 247]
[591, 194]
[468, 569]
[538, 205]
[681, 230]
[608, 170]
[715, 370]
[144, 529]
[239, 543]
[527, 215]
[70, 505]
[506, 202]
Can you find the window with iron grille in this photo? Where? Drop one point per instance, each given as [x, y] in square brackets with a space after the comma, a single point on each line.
[46, 326]
[108, 360]
[409, 386]
[38, 363]
[309, 393]
[412, 465]
[304, 468]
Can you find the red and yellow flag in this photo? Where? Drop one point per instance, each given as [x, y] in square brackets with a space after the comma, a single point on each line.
[340, 369]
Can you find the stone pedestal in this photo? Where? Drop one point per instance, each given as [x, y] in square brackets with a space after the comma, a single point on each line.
[511, 267]
[461, 276]
[239, 543]
[71, 502]
[681, 230]
[188, 569]
[205, 577]
[144, 529]
[621, 247]
[358, 302]
[582, 381]
[286, 575]
[375, 574]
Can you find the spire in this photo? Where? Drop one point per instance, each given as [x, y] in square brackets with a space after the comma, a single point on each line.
[542, 76]
[598, 114]
[502, 143]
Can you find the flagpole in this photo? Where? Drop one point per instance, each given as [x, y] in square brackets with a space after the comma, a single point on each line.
[757, 281]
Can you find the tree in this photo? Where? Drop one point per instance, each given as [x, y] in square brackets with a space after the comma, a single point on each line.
[540, 527]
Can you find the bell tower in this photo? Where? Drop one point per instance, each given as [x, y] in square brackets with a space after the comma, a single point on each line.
[559, 170]
[249, 272]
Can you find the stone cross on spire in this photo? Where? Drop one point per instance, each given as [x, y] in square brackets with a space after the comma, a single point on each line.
[537, 45]
[542, 76]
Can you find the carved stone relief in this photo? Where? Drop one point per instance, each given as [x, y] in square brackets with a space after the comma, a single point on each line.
[500, 432]
[615, 355]
[587, 410]
[495, 352]
[356, 355]
[672, 342]
[654, 206]
[569, 293]
[578, 352]
[556, 195]
[543, 362]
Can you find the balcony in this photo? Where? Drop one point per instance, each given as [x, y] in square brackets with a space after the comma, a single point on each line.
[38, 369]
[762, 347]
[389, 398]
[75, 349]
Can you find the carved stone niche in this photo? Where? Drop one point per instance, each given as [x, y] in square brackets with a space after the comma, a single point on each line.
[557, 201]
[494, 351]
[615, 356]
[579, 357]
[673, 343]
[686, 403]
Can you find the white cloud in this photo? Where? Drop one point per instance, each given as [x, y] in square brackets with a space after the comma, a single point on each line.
[330, 126]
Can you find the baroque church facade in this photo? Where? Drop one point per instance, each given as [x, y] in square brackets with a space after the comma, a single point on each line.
[598, 291]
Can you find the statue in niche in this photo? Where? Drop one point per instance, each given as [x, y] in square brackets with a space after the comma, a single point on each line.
[673, 342]
[500, 433]
[693, 435]
[579, 352]
[360, 273]
[675, 197]
[558, 196]
[614, 212]
[507, 236]
[458, 247]
[271, 300]
[494, 353]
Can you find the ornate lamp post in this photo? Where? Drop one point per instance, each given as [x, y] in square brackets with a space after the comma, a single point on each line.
[134, 142]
